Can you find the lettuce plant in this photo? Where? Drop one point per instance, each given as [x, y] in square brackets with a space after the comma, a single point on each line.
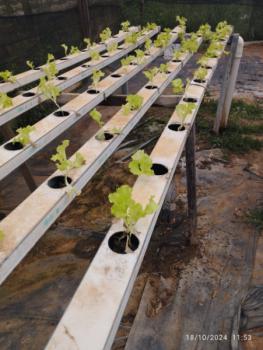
[141, 164]
[96, 77]
[178, 86]
[124, 207]
[140, 56]
[164, 68]
[190, 45]
[65, 165]
[162, 40]
[94, 55]
[200, 73]
[7, 76]
[203, 61]
[177, 54]
[74, 50]
[131, 39]
[133, 103]
[223, 29]
[182, 24]
[49, 90]
[50, 68]
[151, 73]
[88, 42]
[5, 101]
[112, 47]
[150, 26]
[183, 110]
[65, 48]
[148, 44]
[30, 64]
[97, 117]
[105, 35]
[125, 62]
[205, 31]
[125, 26]
[23, 136]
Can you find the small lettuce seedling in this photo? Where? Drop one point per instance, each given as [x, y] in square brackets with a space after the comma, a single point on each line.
[105, 35]
[134, 102]
[148, 45]
[94, 55]
[223, 29]
[96, 77]
[151, 73]
[124, 207]
[30, 64]
[150, 26]
[5, 101]
[183, 110]
[65, 165]
[23, 136]
[97, 117]
[177, 55]
[50, 68]
[162, 40]
[205, 31]
[125, 26]
[88, 42]
[178, 86]
[140, 56]
[125, 62]
[200, 73]
[112, 47]
[74, 50]
[7, 76]
[191, 45]
[203, 61]
[164, 68]
[181, 20]
[49, 90]
[214, 49]
[65, 47]
[141, 164]
[131, 39]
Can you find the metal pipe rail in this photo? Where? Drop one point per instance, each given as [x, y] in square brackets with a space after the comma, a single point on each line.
[45, 204]
[32, 75]
[52, 126]
[32, 98]
[92, 318]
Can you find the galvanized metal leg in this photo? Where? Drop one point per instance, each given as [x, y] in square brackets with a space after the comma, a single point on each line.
[169, 207]
[229, 82]
[8, 133]
[191, 182]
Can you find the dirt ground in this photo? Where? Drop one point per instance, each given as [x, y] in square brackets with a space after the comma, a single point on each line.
[229, 178]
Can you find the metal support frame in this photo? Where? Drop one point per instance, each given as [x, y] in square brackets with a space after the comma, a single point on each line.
[191, 182]
[229, 82]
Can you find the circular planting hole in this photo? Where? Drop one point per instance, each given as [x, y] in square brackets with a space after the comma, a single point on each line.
[177, 61]
[176, 127]
[62, 78]
[61, 114]
[63, 58]
[199, 81]
[117, 242]
[159, 169]
[37, 68]
[107, 136]
[93, 91]
[133, 64]
[28, 94]
[13, 146]
[151, 87]
[59, 182]
[115, 75]
[85, 66]
[147, 54]
[207, 67]
[190, 99]
[105, 56]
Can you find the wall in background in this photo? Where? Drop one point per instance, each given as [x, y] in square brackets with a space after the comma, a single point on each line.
[32, 28]
[245, 15]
